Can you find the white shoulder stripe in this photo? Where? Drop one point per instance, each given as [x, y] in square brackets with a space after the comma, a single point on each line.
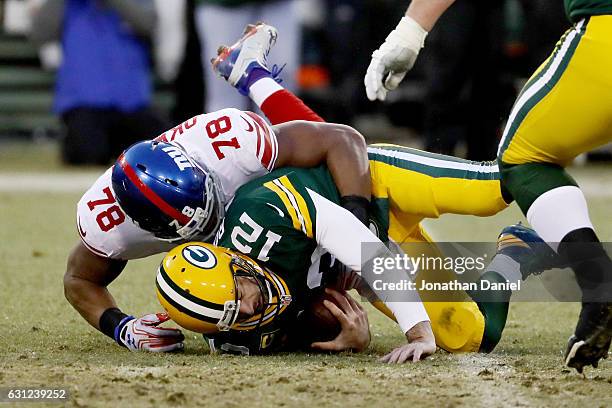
[294, 204]
[274, 143]
[439, 163]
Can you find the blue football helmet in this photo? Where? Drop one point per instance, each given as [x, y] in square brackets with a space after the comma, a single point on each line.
[166, 193]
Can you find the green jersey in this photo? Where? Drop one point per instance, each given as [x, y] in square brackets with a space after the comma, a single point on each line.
[577, 9]
[274, 220]
[289, 219]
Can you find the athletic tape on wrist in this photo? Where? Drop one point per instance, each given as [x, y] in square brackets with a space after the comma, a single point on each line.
[119, 327]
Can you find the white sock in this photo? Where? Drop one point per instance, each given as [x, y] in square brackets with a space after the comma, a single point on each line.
[558, 212]
[262, 89]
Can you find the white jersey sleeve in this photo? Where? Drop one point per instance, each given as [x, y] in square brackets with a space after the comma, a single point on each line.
[105, 229]
[345, 244]
[237, 146]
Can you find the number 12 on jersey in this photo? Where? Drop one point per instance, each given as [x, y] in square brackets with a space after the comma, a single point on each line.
[241, 238]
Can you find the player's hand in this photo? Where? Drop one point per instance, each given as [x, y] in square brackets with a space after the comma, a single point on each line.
[347, 279]
[394, 58]
[145, 334]
[355, 328]
[421, 344]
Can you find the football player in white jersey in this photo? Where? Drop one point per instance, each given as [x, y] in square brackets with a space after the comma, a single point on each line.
[174, 189]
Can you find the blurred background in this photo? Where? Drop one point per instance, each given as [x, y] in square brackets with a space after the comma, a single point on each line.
[80, 80]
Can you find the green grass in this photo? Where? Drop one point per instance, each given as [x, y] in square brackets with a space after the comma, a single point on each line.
[44, 342]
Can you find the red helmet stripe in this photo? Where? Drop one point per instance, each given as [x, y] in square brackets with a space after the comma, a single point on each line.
[150, 194]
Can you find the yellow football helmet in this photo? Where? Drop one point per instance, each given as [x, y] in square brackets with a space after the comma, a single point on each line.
[196, 284]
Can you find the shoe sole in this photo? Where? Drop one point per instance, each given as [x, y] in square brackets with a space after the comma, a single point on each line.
[606, 332]
[573, 351]
[240, 60]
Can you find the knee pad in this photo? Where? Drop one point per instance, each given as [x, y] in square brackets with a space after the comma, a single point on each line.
[457, 326]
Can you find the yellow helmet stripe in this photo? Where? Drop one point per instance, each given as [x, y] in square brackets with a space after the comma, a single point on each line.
[171, 294]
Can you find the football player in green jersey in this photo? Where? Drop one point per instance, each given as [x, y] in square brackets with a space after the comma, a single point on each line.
[563, 110]
[286, 222]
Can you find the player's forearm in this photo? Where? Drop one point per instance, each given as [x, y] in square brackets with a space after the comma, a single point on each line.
[342, 236]
[89, 299]
[85, 281]
[427, 12]
[347, 161]
[340, 147]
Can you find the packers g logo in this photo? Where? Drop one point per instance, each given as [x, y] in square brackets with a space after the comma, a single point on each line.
[199, 256]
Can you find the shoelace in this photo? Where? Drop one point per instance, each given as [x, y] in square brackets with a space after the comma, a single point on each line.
[275, 72]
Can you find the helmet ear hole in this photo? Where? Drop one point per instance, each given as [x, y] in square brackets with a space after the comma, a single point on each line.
[141, 167]
[172, 182]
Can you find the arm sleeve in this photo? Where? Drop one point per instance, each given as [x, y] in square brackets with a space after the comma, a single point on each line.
[345, 244]
[283, 106]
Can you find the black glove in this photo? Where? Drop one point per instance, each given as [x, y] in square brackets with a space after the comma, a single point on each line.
[358, 206]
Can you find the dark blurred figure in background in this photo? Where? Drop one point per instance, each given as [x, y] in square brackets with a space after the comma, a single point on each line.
[103, 86]
[222, 21]
[469, 67]
[178, 60]
[189, 84]
[545, 22]
[464, 97]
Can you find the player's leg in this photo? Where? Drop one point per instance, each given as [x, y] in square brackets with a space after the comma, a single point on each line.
[564, 110]
[421, 185]
[520, 253]
[243, 65]
[457, 322]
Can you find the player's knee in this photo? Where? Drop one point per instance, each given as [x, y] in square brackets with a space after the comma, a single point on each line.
[526, 182]
[458, 328]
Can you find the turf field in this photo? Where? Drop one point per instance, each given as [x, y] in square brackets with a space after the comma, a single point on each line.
[44, 342]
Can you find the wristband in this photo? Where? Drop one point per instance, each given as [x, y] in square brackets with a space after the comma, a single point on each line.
[110, 319]
[358, 206]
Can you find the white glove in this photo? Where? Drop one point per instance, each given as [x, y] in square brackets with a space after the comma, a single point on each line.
[144, 334]
[395, 57]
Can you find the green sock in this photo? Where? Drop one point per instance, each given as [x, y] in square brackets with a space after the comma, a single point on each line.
[493, 304]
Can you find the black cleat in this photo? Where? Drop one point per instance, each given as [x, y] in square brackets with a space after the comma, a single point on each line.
[593, 335]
